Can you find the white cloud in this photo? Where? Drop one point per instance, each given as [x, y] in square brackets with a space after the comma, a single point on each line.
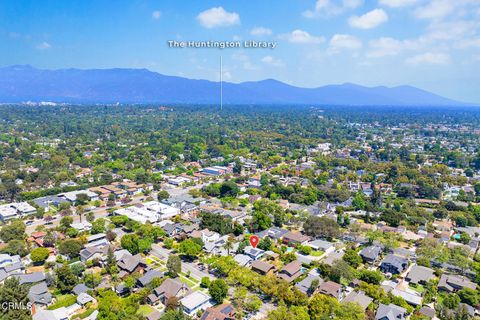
[369, 20]
[218, 17]
[429, 58]
[397, 3]
[44, 46]
[272, 61]
[344, 41]
[435, 9]
[329, 8]
[156, 15]
[260, 31]
[300, 36]
[384, 47]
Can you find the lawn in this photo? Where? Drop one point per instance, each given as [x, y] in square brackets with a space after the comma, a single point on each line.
[144, 310]
[417, 288]
[63, 301]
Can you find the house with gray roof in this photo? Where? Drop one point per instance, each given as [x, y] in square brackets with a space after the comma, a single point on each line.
[419, 275]
[131, 263]
[144, 280]
[306, 286]
[370, 254]
[454, 283]
[30, 278]
[273, 232]
[360, 298]
[39, 294]
[390, 312]
[242, 260]
[253, 252]
[80, 288]
[393, 264]
[169, 288]
[84, 298]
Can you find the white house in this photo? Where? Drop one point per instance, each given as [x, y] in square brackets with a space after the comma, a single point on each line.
[194, 302]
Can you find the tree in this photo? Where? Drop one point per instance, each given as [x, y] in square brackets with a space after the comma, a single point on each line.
[464, 238]
[352, 258]
[49, 239]
[469, 296]
[66, 279]
[70, 248]
[322, 227]
[370, 276]
[229, 244]
[66, 222]
[39, 255]
[341, 270]
[229, 189]
[205, 282]
[13, 231]
[162, 195]
[82, 199]
[189, 248]
[176, 314]
[130, 243]
[16, 247]
[358, 202]
[174, 265]
[98, 226]
[218, 290]
[12, 292]
[322, 307]
[260, 221]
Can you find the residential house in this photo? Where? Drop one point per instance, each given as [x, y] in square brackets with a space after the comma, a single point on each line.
[57, 314]
[131, 264]
[322, 245]
[453, 283]
[39, 295]
[419, 275]
[295, 238]
[331, 288]
[393, 264]
[308, 285]
[194, 302]
[291, 271]
[262, 267]
[273, 232]
[84, 298]
[147, 277]
[360, 298]
[370, 254]
[169, 288]
[242, 259]
[390, 312]
[223, 311]
[253, 252]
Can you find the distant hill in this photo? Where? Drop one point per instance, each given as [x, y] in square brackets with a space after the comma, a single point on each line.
[26, 83]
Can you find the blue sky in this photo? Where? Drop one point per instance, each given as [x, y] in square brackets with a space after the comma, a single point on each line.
[431, 44]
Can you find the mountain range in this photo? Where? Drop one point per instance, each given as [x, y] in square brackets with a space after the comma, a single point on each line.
[22, 83]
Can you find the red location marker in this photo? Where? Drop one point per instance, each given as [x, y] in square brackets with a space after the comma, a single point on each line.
[254, 241]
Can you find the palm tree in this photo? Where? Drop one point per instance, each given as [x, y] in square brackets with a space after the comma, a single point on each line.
[80, 210]
[229, 244]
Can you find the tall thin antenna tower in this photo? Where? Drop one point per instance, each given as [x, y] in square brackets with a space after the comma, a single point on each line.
[221, 84]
